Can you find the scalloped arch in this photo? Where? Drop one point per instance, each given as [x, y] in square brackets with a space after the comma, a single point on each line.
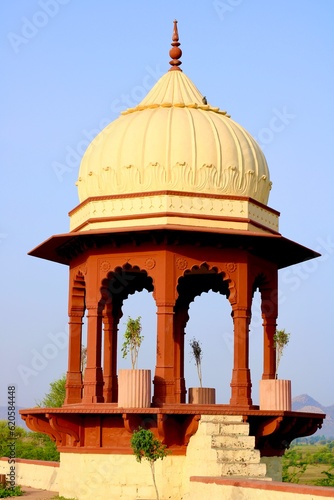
[123, 281]
[227, 288]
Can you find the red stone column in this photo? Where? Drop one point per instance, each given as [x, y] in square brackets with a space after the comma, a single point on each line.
[180, 320]
[164, 381]
[93, 382]
[269, 315]
[164, 295]
[241, 381]
[110, 321]
[74, 375]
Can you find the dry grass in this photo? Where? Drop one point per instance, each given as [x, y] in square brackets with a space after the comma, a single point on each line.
[312, 473]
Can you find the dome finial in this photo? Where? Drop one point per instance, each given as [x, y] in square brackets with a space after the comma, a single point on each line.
[175, 52]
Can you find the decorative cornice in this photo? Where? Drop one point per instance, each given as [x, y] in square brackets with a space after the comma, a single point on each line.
[186, 194]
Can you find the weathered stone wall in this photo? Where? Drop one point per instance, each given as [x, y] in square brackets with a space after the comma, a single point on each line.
[221, 446]
[249, 489]
[93, 476]
[34, 473]
[88, 476]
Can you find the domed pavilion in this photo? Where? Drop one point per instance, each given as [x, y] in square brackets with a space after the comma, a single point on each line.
[173, 199]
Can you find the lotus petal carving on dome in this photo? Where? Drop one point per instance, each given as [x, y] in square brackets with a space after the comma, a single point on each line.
[182, 175]
[206, 178]
[231, 180]
[153, 176]
[93, 181]
[107, 178]
[128, 179]
[249, 182]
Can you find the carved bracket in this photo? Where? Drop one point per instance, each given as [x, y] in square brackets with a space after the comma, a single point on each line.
[40, 424]
[65, 428]
[273, 434]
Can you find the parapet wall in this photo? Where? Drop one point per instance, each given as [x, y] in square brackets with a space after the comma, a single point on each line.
[45, 475]
[35, 473]
[228, 489]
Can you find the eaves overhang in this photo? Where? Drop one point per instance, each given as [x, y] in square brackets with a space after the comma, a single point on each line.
[62, 248]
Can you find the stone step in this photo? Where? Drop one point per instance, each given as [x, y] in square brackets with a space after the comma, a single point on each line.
[232, 452]
[232, 441]
[230, 428]
[242, 469]
[247, 456]
[234, 428]
[217, 419]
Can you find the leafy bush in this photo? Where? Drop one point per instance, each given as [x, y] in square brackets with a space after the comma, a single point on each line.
[56, 396]
[281, 339]
[328, 480]
[294, 466]
[146, 446]
[309, 463]
[37, 446]
[6, 491]
[132, 340]
[29, 445]
[62, 498]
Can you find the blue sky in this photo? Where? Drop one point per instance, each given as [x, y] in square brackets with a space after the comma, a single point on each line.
[69, 67]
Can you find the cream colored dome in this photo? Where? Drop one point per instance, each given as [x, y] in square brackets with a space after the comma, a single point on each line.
[174, 161]
[172, 141]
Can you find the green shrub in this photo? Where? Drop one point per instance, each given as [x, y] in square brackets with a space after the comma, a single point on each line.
[29, 445]
[6, 491]
[146, 446]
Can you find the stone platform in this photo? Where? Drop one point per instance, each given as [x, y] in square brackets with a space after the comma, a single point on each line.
[107, 428]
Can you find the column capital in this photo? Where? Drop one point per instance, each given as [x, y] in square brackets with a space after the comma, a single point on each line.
[241, 311]
[75, 318]
[165, 308]
[163, 303]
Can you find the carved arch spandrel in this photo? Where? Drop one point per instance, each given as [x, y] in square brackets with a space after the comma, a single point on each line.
[263, 275]
[225, 286]
[266, 283]
[106, 264]
[122, 281]
[64, 427]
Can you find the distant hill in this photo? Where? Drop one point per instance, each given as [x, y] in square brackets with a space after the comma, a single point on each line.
[304, 402]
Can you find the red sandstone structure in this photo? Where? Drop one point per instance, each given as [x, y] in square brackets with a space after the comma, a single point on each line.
[173, 199]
